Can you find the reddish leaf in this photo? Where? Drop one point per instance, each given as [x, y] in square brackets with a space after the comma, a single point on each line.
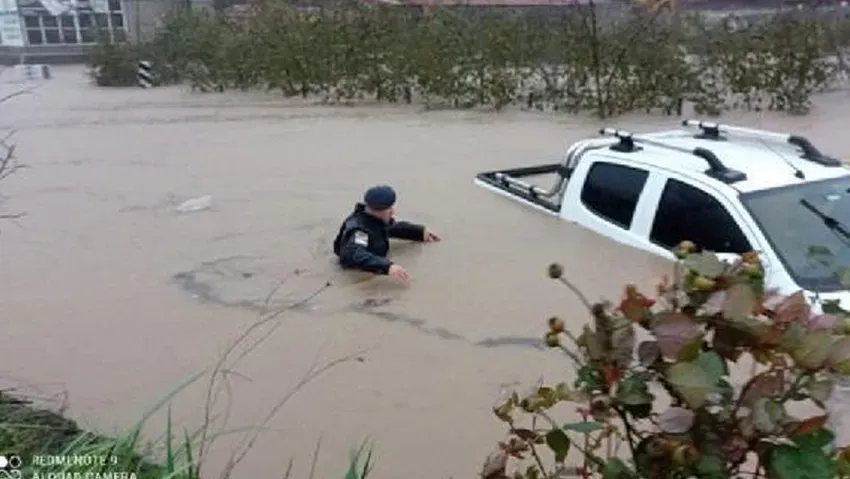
[763, 385]
[648, 352]
[822, 322]
[792, 309]
[674, 331]
[771, 335]
[635, 306]
[612, 375]
[810, 425]
[727, 341]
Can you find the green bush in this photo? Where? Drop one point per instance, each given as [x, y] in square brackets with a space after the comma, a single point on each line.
[571, 61]
[114, 64]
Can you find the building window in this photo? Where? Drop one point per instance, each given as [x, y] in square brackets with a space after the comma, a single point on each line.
[79, 26]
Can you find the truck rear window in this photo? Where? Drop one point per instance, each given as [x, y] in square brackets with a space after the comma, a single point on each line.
[688, 213]
[612, 191]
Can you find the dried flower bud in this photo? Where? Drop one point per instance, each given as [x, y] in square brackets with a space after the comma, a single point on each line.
[753, 271]
[656, 447]
[701, 283]
[555, 270]
[751, 257]
[600, 407]
[556, 325]
[685, 454]
[685, 248]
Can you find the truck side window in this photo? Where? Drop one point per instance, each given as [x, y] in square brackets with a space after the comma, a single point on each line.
[612, 191]
[688, 213]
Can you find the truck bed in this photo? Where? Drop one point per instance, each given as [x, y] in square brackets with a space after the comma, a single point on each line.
[519, 182]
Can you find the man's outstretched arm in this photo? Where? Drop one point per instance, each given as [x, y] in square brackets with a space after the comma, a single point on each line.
[407, 231]
[354, 253]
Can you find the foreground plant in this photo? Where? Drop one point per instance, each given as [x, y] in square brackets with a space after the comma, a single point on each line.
[670, 401]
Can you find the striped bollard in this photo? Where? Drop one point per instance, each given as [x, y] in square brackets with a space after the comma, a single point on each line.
[31, 72]
[144, 74]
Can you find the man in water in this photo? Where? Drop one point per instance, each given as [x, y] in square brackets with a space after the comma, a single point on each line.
[363, 239]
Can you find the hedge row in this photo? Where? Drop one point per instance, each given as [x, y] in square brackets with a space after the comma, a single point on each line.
[569, 60]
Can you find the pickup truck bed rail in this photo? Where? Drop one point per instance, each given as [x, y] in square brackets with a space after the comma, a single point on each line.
[510, 182]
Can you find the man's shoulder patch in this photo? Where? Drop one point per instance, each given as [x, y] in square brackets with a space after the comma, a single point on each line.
[361, 238]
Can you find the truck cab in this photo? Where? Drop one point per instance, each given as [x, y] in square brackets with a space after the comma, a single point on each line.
[728, 189]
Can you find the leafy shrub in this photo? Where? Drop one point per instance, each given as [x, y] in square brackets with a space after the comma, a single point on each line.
[672, 401]
[114, 64]
[573, 61]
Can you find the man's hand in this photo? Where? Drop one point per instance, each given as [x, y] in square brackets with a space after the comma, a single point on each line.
[429, 236]
[398, 273]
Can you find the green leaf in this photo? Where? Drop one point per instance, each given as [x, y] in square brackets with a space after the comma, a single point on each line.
[739, 302]
[690, 352]
[815, 440]
[615, 468]
[589, 378]
[820, 390]
[793, 337]
[727, 392]
[789, 462]
[584, 427]
[843, 466]
[813, 350]
[711, 467]
[562, 392]
[692, 382]
[768, 415]
[559, 443]
[705, 263]
[633, 391]
[712, 364]
[839, 355]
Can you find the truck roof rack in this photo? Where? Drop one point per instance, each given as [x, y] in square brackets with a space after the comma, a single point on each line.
[716, 168]
[715, 131]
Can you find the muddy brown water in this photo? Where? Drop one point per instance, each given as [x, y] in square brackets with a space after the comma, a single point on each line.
[112, 297]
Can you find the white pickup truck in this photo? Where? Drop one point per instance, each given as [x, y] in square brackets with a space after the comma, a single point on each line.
[728, 189]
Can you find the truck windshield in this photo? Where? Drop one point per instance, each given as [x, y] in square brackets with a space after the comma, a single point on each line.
[807, 225]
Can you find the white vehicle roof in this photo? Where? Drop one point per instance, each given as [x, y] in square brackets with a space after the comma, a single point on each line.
[766, 164]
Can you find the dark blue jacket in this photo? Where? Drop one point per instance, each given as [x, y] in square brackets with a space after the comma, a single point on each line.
[363, 240]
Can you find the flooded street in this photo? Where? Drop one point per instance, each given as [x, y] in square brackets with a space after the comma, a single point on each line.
[111, 295]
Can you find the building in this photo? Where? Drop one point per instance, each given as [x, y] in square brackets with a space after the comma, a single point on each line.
[60, 31]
